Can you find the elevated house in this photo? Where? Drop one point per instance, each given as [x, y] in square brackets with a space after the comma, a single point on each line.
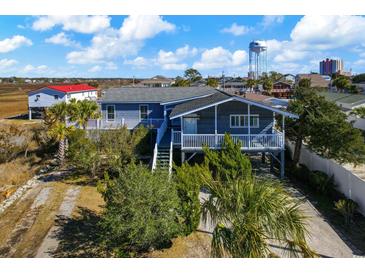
[188, 118]
[40, 99]
[281, 89]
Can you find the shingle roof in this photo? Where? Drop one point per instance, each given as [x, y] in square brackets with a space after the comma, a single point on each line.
[260, 101]
[198, 103]
[345, 98]
[154, 95]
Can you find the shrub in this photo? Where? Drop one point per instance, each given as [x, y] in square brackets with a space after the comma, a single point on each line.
[321, 182]
[188, 188]
[301, 173]
[140, 209]
[83, 153]
[347, 208]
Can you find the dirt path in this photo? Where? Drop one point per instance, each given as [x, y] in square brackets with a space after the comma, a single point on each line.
[50, 242]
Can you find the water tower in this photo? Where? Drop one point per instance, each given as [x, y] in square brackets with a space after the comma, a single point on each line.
[258, 59]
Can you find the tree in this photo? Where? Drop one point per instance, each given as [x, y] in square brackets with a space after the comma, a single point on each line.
[213, 82]
[82, 111]
[275, 76]
[341, 82]
[304, 83]
[267, 84]
[192, 75]
[181, 82]
[359, 78]
[140, 210]
[324, 128]
[251, 83]
[249, 213]
[359, 112]
[188, 188]
[59, 132]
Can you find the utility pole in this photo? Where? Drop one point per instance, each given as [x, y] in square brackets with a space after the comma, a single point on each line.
[224, 81]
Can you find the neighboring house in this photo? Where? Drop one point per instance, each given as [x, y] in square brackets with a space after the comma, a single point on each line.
[348, 102]
[281, 89]
[42, 98]
[157, 81]
[189, 118]
[233, 86]
[317, 81]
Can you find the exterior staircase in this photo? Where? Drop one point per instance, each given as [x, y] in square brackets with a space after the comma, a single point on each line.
[163, 158]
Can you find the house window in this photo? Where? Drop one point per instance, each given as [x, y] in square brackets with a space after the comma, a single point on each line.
[55, 97]
[254, 121]
[37, 97]
[143, 112]
[110, 112]
[241, 120]
[68, 96]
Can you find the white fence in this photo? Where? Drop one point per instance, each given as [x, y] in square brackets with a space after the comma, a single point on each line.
[349, 184]
[253, 141]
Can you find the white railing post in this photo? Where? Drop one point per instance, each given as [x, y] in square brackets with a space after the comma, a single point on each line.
[249, 125]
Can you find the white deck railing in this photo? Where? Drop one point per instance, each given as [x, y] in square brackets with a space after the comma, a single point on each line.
[248, 142]
[117, 123]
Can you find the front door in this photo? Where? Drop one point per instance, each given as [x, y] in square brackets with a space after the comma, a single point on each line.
[190, 125]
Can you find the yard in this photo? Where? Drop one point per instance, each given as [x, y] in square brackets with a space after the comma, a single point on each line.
[14, 99]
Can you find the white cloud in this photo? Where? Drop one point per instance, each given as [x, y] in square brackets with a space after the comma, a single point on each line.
[35, 69]
[79, 23]
[329, 32]
[6, 63]
[10, 44]
[236, 30]
[61, 39]
[96, 68]
[111, 66]
[269, 20]
[360, 62]
[220, 58]
[139, 62]
[126, 41]
[141, 27]
[169, 60]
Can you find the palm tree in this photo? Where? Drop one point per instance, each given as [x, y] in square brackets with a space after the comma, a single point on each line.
[59, 132]
[250, 83]
[57, 113]
[249, 214]
[82, 111]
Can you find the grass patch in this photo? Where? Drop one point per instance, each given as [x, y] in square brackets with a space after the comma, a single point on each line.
[195, 245]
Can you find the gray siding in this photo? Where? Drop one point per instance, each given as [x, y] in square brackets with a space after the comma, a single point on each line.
[206, 119]
[46, 98]
[130, 112]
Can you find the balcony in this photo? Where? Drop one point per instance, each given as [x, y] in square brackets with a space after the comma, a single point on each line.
[117, 123]
[249, 142]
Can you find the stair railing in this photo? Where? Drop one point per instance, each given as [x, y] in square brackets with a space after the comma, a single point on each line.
[171, 151]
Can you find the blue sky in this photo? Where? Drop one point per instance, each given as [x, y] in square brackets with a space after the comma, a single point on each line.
[144, 46]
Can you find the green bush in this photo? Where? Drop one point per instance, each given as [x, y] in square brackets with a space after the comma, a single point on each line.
[188, 188]
[140, 210]
[347, 208]
[83, 153]
[321, 182]
[301, 173]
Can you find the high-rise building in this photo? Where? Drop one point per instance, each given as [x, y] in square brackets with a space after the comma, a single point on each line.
[330, 66]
